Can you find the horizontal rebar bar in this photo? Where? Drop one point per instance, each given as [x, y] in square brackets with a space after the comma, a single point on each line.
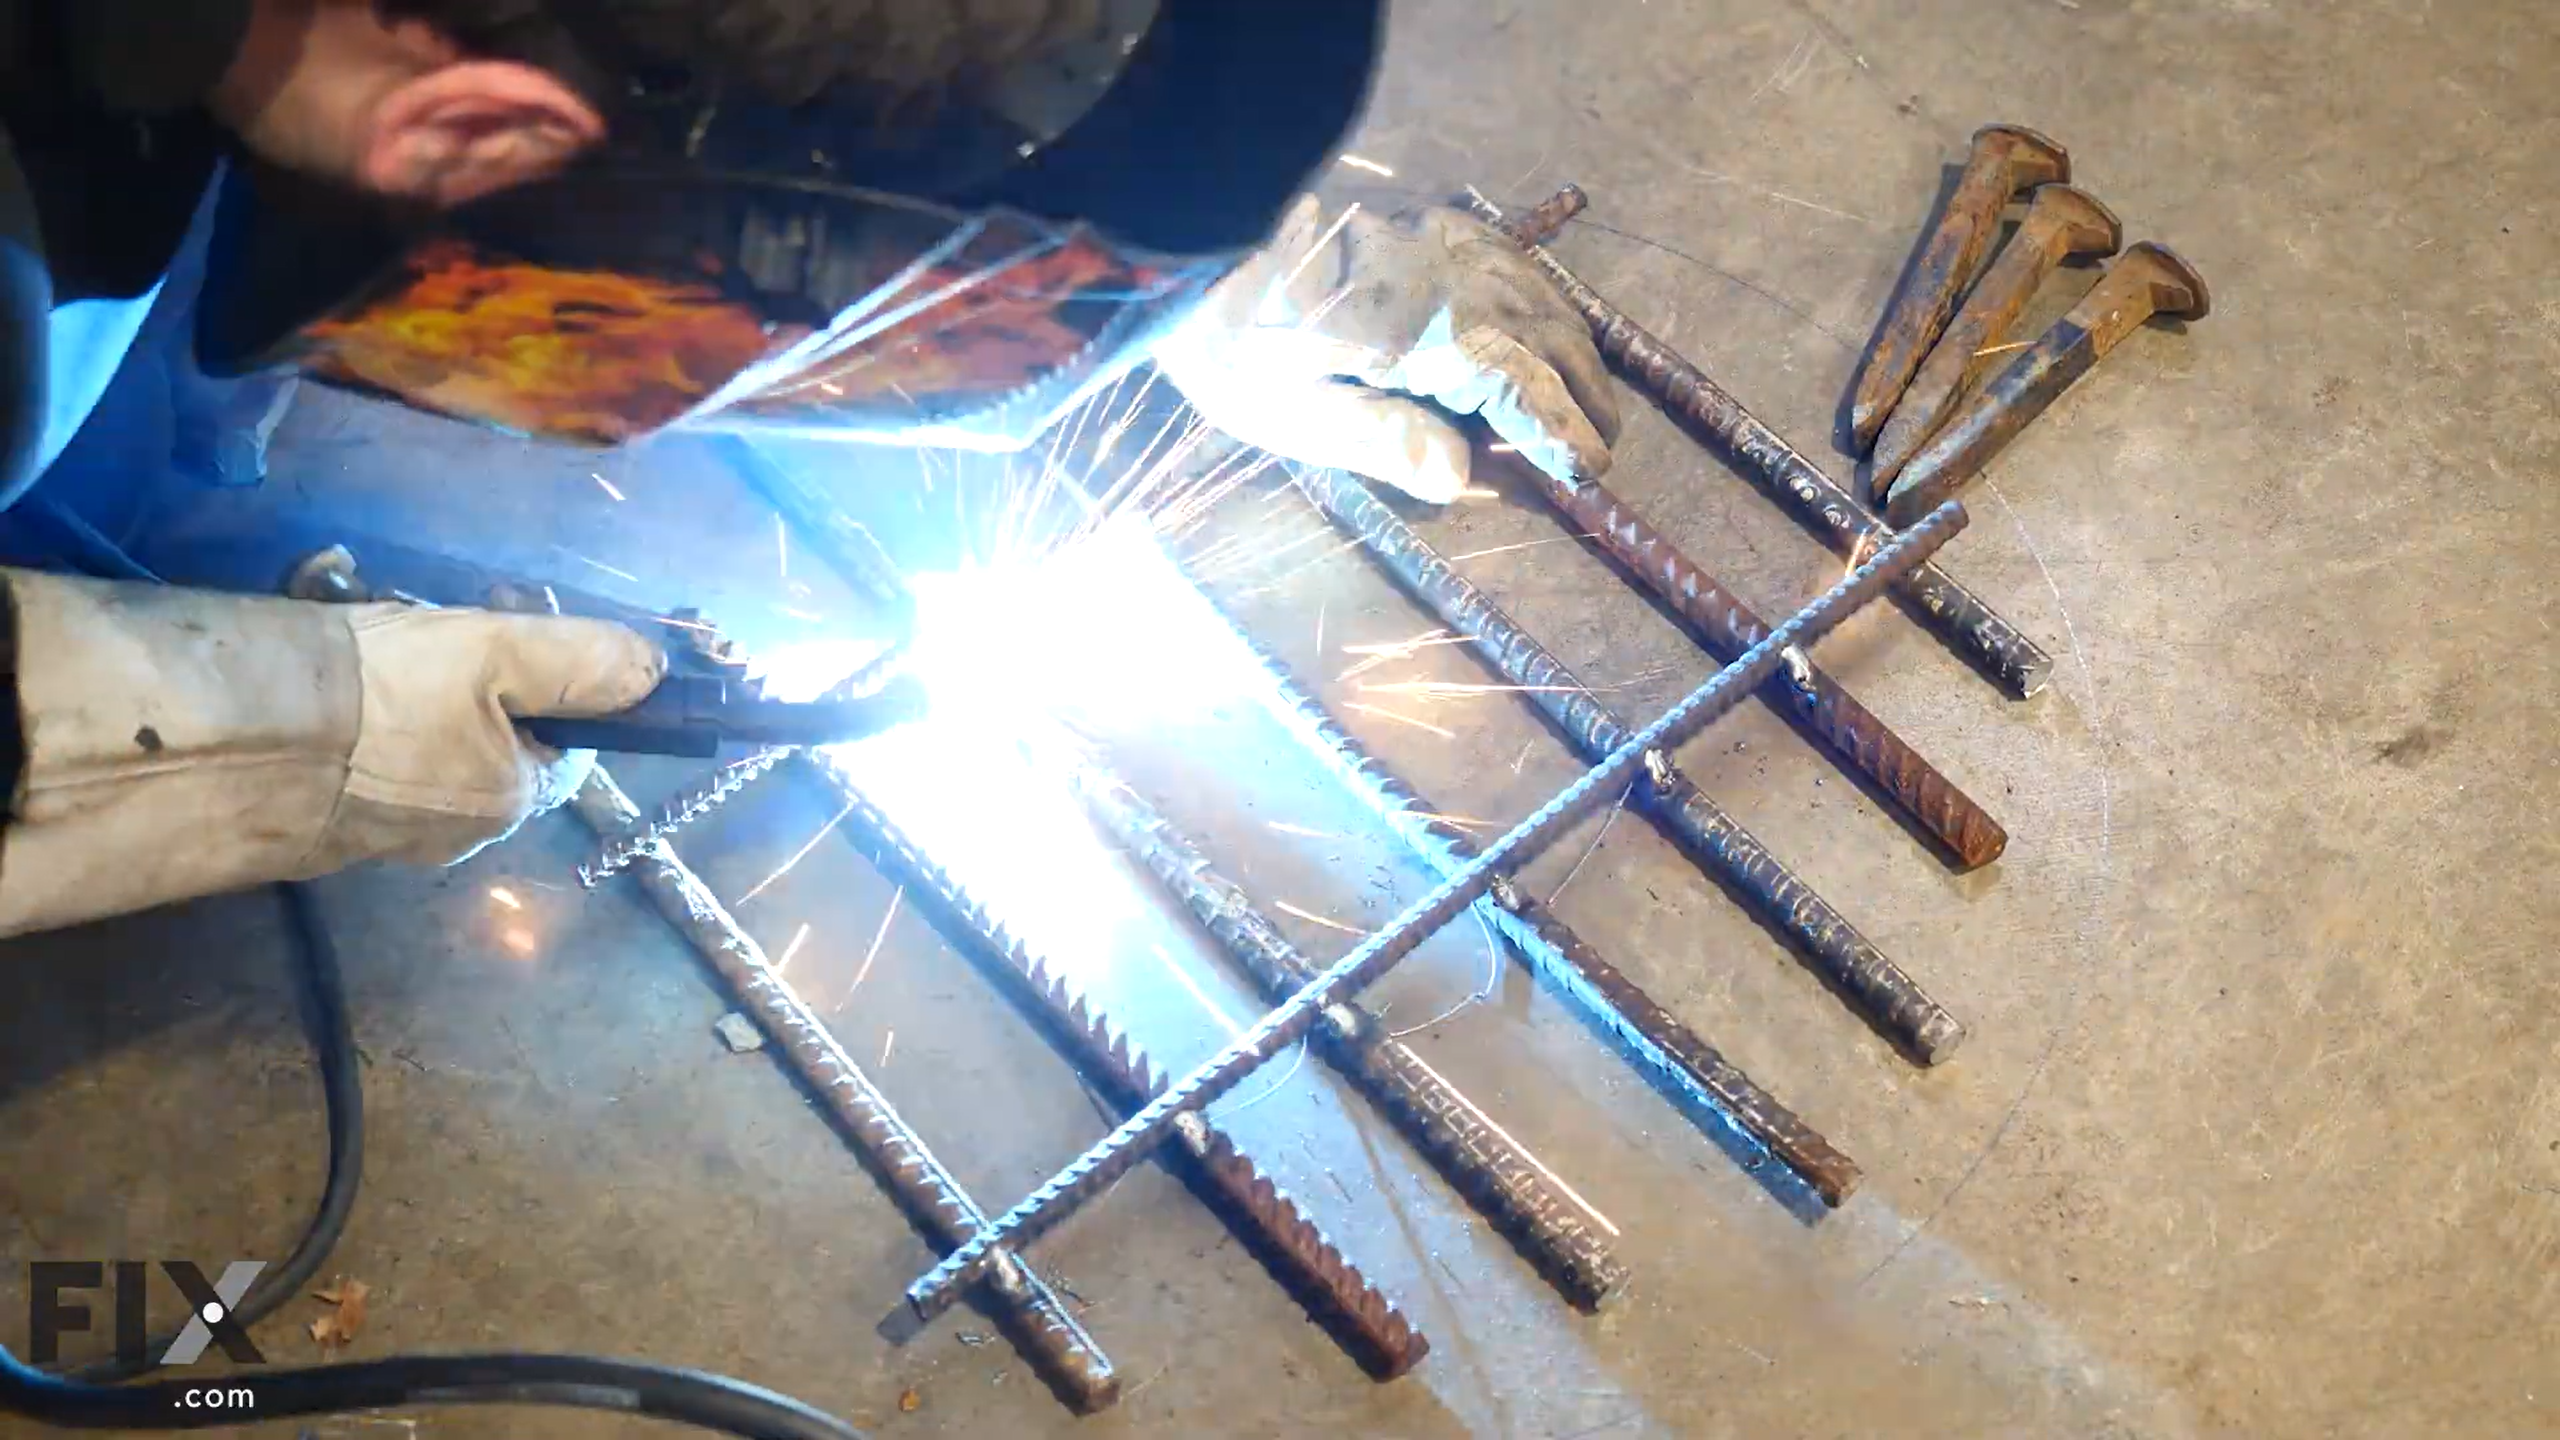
[1525, 1201]
[1370, 1327]
[1879, 989]
[1029, 1310]
[1111, 1157]
[2016, 663]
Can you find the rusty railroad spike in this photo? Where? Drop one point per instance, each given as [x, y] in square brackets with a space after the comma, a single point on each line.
[2150, 280]
[2006, 159]
[2062, 221]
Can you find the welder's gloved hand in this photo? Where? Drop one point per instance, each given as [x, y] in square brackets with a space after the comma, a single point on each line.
[180, 742]
[1355, 347]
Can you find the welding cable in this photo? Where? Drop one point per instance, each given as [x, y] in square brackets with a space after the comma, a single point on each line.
[333, 1042]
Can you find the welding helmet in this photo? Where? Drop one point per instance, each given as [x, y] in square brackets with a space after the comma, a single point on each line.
[959, 272]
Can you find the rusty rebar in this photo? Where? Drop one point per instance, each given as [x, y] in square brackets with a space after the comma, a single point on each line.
[1525, 1201]
[1658, 1039]
[1111, 1157]
[1029, 1310]
[1721, 622]
[1549, 218]
[1888, 998]
[2012, 661]
[1364, 1320]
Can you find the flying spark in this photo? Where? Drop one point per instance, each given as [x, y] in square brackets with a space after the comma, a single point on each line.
[1363, 162]
[1443, 731]
[878, 938]
[505, 896]
[600, 565]
[1313, 918]
[799, 938]
[607, 484]
[1285, 828]
[891, 1043]
[1491, 1124]
[796, 856]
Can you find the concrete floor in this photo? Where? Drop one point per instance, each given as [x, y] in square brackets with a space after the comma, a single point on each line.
[2253, 1135]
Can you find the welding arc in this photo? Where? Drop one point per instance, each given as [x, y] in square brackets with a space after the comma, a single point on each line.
[1030, 1312]
[1888, 998]
[1369, 1326]
[1113, 1156]
[1543, 1218]
[1666, 1047]
[2017, 664]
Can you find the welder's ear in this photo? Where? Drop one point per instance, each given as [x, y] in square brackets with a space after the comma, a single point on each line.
[474, 127]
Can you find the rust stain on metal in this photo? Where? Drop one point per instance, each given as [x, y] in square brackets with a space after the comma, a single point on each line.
[2062, 221]
[2150, 279]
[2006, 159]
[1548, 220]
[2014, 662]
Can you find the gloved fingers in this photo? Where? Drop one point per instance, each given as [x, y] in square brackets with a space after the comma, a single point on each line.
[538, 665]
[1515, 391]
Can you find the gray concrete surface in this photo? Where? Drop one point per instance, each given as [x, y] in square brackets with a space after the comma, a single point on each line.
[2255, 1134]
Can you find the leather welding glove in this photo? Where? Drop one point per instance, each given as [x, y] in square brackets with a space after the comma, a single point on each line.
[181, 742]
[1355, 346]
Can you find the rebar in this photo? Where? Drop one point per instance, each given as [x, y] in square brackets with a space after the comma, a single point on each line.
[2012, 661]
[620, 852]
[1111, 1157]
[1720, 620]
[1526, 1202]
[1029, 1310]
[1888, 998]
[1372, 1329]
[1672, 1051]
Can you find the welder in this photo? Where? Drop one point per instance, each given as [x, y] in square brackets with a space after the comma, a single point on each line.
[907, 221]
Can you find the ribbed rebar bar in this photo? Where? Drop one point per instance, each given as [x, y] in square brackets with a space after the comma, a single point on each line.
[1111, 1157]
[1523, 1199]
[1030, 1312]
[1726, 626]
[2013, 661]
[1879, 989]
[1369, 1325]
[680, 810]
[1654, 1036]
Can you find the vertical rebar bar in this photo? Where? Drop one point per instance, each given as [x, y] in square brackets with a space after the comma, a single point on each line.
[1667, 1047]
[1523, 1199]
[1031, 1313]
[1886, 996]
[2016, 663]
[1369, 1325]
[1108, 1159]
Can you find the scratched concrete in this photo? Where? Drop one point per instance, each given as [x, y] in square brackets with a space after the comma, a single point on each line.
[2253, 1135]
